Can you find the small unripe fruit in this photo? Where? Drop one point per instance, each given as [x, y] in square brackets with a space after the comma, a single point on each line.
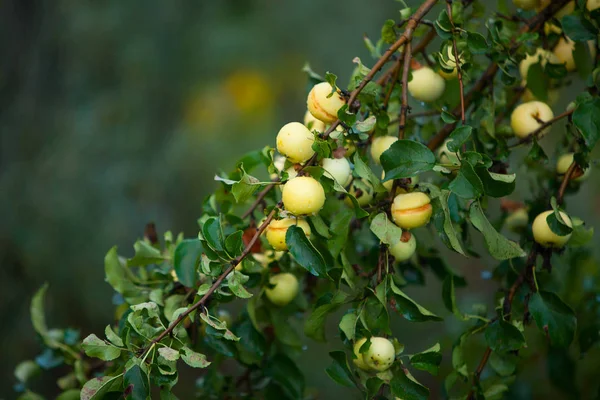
[517, 220]
[362, 190]
[544, 236]
[381, 144]
[277, 230]
[446, 156]
[526, 4]
[426, 85]
[448, 75]
[322, 107]
[411, 210]
[564, 52]
[359, 361]
[303, 195]
[563, 164]
[338, 169]
[295, 141]
[381, 354]
[405, 248]
[312, 123]
[541, 56]
[284, 290]
[525, 118]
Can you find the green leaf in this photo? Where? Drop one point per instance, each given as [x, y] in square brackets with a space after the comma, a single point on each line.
[388, 33]
[145, 254]
[186, 260]
[587, 119]
[117, 277]
[443, 222]
[496, 185]
[553, 317]
[245, 187]
[71, 394]
[193, 359]
[499, 247]
[583, 59]
[406, 158]
[578, 28]
[467, 183]
[406, 388]
[235, 282]
[555, 220]
[113, 337]
[286, 374]
[477, 43]
[459, 136]
[314, 327]
[581, 235]
[503, 337]
[320, 226]
[348, 325]
[504, 364]
[168, 353]
[26, 370]
[234, 244]
[386, 230]
[538, 82]
[339, 370]
[363, 170]
[135, 382]
[428, 360]
[304, 252]
[98, 348]
[410, 309]
[448, 118]
[97, 388]
[38, 318]
[213, 233]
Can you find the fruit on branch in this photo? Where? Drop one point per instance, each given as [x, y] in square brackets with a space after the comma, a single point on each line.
[426, 85]
[379, 145]
[564, 52]
[295, 141]
[303, 195]
[312, 123]
[541, 56]
[528, 117]
[405, 248]
[277, 230]
[338, 169]
[448, 63]
[381, 354]
[517, 220]
[553, 96]
[265, 258]
[389, 185]
[323, 106]
[411, 210]
[359, 360]
[566, 10]
[446, 156]
[284, 289]
[544, 236]
[563, 164]
[362, 190]
[592, 5]
[527, 4]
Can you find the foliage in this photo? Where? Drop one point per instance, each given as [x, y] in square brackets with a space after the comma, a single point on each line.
[170, 297]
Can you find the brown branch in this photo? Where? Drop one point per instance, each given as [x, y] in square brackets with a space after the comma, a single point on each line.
[216, 283]
[541, 128]
[477, 374]
[563, 185]
[404, 107]
[457, 62]
[259, 199]
[534, 24]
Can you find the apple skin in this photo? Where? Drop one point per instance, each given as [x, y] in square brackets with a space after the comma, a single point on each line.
[265, 258]
[277, 230]
[303, 195]
[426, 85]
[553, 96]
[541, 55]
[322, 107]
[526, 4]
[405, 248]
[339, 169]
[381, 354]
[523, 121]
[563, 164]
[592, 5]
[544, 236]
[285, 289]
[312, 123]
[359, 361]
[295, 141]
[381, 144]
[366, 192]
[517, 220]
[446, 156]
[411, 210]
[389, 185]
[564, 52]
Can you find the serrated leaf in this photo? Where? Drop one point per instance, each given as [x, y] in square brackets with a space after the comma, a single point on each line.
[496, 185]
[235, 282]
[135, 382]
[213, 233]
[578, 28]
[96, 389]
[587, 119]
[314, 327]
[338, 370]
[348, 325]
[304, 252]
[458, 137]
[385, 230]
[503, 337]
[443, 222]
[98, 348]
[405, 388]
[194, 359]
[499, 247]
[363, 170]
[410, 309]
[185, 261]
[117, 277]
[113, 337]
[145, 254]
[406, 158]
[428, 360]
[553, 317]
[467, 183]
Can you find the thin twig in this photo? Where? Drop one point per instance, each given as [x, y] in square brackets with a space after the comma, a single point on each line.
[563, 185]
[404, 107]
[259, 198]
[477, 374]
[457, 62]
[541, 129]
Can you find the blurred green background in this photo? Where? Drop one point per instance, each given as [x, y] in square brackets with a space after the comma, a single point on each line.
[117, 113]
